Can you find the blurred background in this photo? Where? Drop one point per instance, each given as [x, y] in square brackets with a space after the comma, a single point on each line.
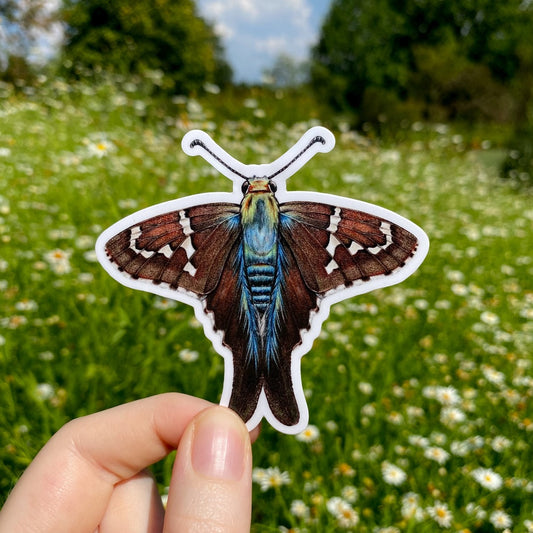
[379, 65]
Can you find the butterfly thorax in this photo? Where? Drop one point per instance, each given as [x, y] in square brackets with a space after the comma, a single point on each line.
[259, 220]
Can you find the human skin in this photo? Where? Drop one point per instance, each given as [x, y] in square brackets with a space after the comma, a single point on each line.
[91, 475]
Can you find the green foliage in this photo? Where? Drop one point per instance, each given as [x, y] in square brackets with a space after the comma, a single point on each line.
[21, 26]
[163, 36]
[357, 50]
[438, 368]
[454, 57]
[287, 72]
[452, 86]
[518, 163]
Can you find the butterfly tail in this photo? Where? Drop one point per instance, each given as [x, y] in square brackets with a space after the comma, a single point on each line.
[279, 392]
[246, 389]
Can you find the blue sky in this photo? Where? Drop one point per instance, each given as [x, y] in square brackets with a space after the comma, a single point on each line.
[255, 32]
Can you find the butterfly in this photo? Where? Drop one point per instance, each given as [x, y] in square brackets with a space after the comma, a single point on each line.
[261, 266]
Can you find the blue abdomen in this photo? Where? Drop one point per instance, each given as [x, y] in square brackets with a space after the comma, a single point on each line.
[260, 238]
[261, 278]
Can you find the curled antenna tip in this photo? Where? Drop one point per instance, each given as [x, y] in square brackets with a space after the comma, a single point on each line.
[197, 142]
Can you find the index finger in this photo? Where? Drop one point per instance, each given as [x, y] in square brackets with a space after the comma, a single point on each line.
[69, 483]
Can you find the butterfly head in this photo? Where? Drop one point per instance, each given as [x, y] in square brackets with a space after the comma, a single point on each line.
[255, 185]
[259, 201]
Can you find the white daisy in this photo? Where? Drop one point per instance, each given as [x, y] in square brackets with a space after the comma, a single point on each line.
[500, 520]
[59, 260]
[392, 474]
[489, 318]
[188, 356]
[270, 478]
[349, 493]
[487, 478]
[411, 509]
[450, 416]
[441, 514]
[299, 509]
[164, 303]
[344, 513]
[101, 148]
[447, 395]
[436, 454]
[309, 434]
[44, 391]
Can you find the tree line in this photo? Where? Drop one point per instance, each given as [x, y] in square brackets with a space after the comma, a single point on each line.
[379, 59]
[119, 36]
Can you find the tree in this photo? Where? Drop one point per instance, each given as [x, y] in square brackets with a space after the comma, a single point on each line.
[134, 37]
[383, 43]
[30, 32]
[287, 72]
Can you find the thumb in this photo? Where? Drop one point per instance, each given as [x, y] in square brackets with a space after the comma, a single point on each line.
[211, 481]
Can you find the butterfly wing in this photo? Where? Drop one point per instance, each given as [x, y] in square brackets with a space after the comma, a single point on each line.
[185, 249]
[225, 307]
[282, 383]
[337, 247]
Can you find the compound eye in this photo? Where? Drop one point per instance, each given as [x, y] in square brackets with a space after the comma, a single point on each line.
[244, 187]
[273, 186]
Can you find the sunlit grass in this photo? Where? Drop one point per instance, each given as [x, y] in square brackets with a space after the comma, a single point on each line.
[411, 389]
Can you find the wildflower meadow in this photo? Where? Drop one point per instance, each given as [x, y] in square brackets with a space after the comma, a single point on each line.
[420, 395]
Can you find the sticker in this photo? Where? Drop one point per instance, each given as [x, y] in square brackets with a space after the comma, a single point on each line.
[261, 267]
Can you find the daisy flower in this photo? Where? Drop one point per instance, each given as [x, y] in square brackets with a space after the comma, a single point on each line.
[299, 509]
[447, 395]
[500, 520]
[309, 434]
[411, 507]
[100, 148]
[487, 478]
[188, 356]
[59, 261]
[349, 493]
[441, 514]
[345, 514]
[450, 416]
[392, 474]
[436, 454]
[269, 478]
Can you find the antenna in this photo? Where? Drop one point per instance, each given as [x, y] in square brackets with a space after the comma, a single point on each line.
[199, 142]
[317, 139]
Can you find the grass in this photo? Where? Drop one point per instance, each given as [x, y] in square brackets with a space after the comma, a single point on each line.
[411, 389]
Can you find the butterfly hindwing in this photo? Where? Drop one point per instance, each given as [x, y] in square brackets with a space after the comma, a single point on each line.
[283, 388]
[225, 306]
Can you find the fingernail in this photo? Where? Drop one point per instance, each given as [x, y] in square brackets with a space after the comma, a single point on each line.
[218, 446]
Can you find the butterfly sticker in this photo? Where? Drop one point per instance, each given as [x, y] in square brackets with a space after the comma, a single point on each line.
[261, 267]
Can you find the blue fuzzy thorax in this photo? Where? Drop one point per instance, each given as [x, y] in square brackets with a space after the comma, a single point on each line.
[261, 272]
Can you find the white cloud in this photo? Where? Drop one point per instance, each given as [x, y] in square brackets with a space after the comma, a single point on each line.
[224, 31]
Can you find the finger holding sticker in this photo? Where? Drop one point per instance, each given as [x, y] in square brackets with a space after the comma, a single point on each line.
[261, 267]
[91, 475]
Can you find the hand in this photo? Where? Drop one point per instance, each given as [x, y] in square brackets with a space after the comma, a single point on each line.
[90, 476]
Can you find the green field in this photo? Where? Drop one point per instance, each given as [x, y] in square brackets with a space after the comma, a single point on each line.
[412, 389]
